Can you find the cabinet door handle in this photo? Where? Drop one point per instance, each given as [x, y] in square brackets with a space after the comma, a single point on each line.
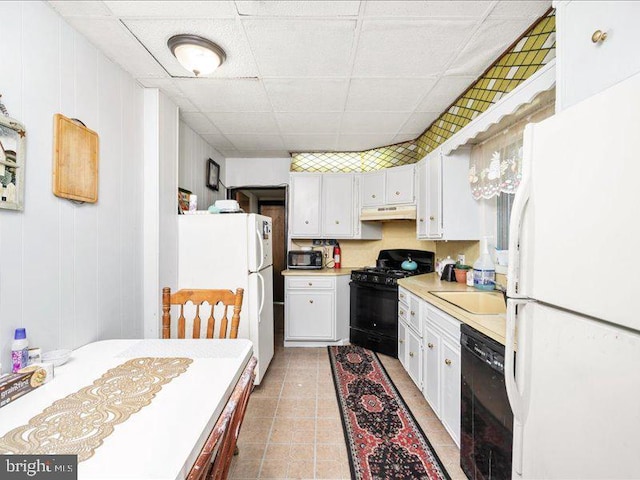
[337, 222]
[401, 312]
[422, 220]
[402, 295]
[432, 218]
[401, 341]
[447, 361]
[397, 193]
[413, 314]
[310, 301]
[306, 222]
[598, 36]
[373, 196]
[411, 354]
[310, 284]
[430, 345]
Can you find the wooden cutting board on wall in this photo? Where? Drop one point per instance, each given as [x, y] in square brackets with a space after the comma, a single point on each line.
[75, 160]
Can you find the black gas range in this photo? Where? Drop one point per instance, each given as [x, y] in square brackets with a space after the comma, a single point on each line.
[374, 298]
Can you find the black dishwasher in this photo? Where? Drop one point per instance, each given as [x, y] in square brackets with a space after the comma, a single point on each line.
[486, 423]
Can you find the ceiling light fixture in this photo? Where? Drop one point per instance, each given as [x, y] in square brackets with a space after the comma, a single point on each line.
[196, 54]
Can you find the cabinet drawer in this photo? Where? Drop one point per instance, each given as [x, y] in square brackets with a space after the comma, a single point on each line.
[403, 296]
[310, 282]
[414, 318]
[444, 322]
[403, 312]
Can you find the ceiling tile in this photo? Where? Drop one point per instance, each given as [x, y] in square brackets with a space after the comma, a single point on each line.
[372, 122]
[227, 33]
[444, 93]
[356, 143]
[172, 9]
[167, 85]
[229, 152]
[307, 95]
[117, 43]
[408, 48]
[246, 122]
[184, 104]
[71, 8]
[387, 94]
[513, 8]
[256, 142]
[198, 122]
[311, 143]
[450, 8]
[288, 8]
[404, 137]
[301, 48]
[262, 154]
[217, 141]
[307, 122]
[225, 95]
[418, 123]
[492, 38]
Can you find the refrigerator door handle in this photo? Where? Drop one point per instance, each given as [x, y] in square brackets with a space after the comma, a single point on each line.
[261, 297]
[514, 392]
[259, 267]
[520, 202]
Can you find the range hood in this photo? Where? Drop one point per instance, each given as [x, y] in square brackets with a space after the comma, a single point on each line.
[386, 213]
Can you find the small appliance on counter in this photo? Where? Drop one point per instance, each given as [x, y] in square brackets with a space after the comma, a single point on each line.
[304, 259]
[374, 298]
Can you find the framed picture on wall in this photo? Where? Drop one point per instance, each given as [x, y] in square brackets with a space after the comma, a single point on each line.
[213, 175]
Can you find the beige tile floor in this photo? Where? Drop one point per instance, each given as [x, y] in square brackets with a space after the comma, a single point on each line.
[292, 427]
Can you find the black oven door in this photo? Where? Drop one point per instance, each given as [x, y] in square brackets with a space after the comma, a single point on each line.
[374, 308]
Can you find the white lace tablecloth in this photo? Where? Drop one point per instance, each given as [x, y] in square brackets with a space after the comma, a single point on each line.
[199, 348]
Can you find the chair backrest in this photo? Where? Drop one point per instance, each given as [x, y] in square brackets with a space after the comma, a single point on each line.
[198, 298]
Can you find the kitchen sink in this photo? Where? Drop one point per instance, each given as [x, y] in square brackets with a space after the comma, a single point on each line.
[479, 303]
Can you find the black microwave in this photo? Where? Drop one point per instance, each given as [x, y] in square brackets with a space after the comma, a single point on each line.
[304, 259]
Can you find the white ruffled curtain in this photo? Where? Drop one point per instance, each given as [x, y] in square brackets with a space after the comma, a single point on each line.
[496, 164]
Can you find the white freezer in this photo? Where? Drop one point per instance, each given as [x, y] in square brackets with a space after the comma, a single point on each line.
[229, 251]
[579, 200]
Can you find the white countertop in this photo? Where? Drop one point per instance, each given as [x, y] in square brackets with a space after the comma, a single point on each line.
[163, 439]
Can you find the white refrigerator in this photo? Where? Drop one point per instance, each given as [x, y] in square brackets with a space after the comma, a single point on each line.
[572, 316]
[232, 251]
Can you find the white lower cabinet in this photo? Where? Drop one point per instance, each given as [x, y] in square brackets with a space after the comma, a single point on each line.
[402, 342]
[316, 310]
[414, 357]
[431, 385]
[442, 368]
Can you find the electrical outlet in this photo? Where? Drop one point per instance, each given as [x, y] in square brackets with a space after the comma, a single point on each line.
[461, 259]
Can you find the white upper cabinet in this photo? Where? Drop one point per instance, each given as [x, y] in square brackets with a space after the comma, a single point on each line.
[372, 188]
[597, 47]
[390, 186]
[446, 210]
[305, 210]
[337, 205]
[399, 188]
[327, 205]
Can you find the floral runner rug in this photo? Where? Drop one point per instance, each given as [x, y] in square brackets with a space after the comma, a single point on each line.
[383, 438]
[78, 423]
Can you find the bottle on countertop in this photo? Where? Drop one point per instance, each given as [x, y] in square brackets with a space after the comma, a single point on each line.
[19, 350]
[484, 270]
[336, 256]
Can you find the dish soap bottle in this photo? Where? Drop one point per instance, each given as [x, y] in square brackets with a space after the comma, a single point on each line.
[484, 270]
[19, 350]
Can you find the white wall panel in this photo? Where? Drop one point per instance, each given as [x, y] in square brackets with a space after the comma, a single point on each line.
[194, 152]
[70, 274]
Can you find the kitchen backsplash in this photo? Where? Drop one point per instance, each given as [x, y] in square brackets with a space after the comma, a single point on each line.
[398, 234]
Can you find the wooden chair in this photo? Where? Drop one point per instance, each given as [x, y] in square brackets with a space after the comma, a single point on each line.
[198, 297]
[215, 458]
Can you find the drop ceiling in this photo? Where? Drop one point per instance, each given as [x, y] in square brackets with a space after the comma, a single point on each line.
[308, 75]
